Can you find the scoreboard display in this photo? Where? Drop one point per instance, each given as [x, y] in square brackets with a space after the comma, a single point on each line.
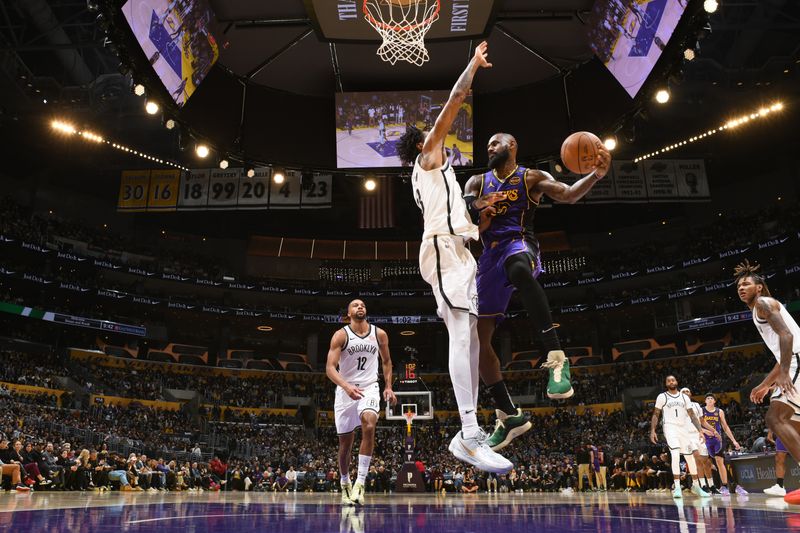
[221, 189]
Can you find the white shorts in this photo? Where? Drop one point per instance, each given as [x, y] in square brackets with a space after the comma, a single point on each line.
[793, 399]
[449, 268]
[347, 411]
[699, 440]
[680, 439]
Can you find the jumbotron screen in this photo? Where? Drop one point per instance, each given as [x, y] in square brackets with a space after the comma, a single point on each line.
[628, 36]
[368, 126]
[175, 37]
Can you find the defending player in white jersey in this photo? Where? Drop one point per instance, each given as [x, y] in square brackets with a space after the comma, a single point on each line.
[782, 336]
[447, 264]
[677, 414]
[353, 366]
[700, 453]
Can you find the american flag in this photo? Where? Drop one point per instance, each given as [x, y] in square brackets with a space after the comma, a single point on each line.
[376, 208]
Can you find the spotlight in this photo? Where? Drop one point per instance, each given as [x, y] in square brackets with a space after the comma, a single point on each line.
[66, 127]
[151, 107]
[710, 6]
[202, 150]
[169, 124]
[223, 164]
[662, 96]
[138, 89]
[251, 173]
[610, 143]
[278, 177]
[689, 54]
[370, 184]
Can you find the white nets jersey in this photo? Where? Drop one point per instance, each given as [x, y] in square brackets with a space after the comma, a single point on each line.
[674, 409]
[773, 341]
[358, 362]
[438, 195]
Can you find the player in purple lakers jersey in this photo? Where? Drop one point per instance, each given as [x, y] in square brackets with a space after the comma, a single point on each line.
[511, 261]
[715, 417]
[780, 466]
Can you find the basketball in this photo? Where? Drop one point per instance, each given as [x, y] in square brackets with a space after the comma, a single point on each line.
[579, 151]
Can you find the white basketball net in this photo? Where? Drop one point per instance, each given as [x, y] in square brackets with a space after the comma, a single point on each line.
[402, 28]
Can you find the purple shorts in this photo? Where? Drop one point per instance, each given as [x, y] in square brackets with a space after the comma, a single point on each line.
[779, 447]
[714, 446]
[494, 289]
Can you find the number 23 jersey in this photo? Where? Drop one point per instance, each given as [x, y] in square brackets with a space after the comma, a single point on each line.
[358, 362]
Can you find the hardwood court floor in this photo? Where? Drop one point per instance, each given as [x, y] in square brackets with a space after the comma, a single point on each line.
[424, 513]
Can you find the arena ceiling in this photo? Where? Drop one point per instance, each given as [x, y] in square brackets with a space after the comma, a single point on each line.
[69, 52]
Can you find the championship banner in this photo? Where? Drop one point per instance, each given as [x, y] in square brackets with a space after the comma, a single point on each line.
[661, 180]
[629, 183]
[133, 190]
[603, 191]
[163, 194]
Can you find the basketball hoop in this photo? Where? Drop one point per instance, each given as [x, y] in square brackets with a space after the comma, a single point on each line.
[402, 24]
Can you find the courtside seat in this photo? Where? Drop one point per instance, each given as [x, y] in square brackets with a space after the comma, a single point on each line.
[230, 363]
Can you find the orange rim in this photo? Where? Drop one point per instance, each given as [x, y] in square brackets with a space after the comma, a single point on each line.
[385, 26]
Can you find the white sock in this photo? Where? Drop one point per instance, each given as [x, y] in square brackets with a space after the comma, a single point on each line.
[469, 423]
[363, 467]
[345, 479]
[703, 482]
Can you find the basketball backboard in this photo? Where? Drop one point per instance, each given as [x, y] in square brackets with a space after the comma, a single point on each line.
[417, 402]
[343, 20]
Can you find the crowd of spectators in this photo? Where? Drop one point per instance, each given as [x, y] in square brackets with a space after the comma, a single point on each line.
[722, 235]
[714, 372]
[135, 448]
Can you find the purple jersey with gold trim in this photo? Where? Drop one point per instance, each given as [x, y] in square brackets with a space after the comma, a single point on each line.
[712, 418]
[509, 234]
[514, 219]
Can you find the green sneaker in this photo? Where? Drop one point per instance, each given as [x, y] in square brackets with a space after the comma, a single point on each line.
[506, 429]
[347, 491]
[559, 386]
